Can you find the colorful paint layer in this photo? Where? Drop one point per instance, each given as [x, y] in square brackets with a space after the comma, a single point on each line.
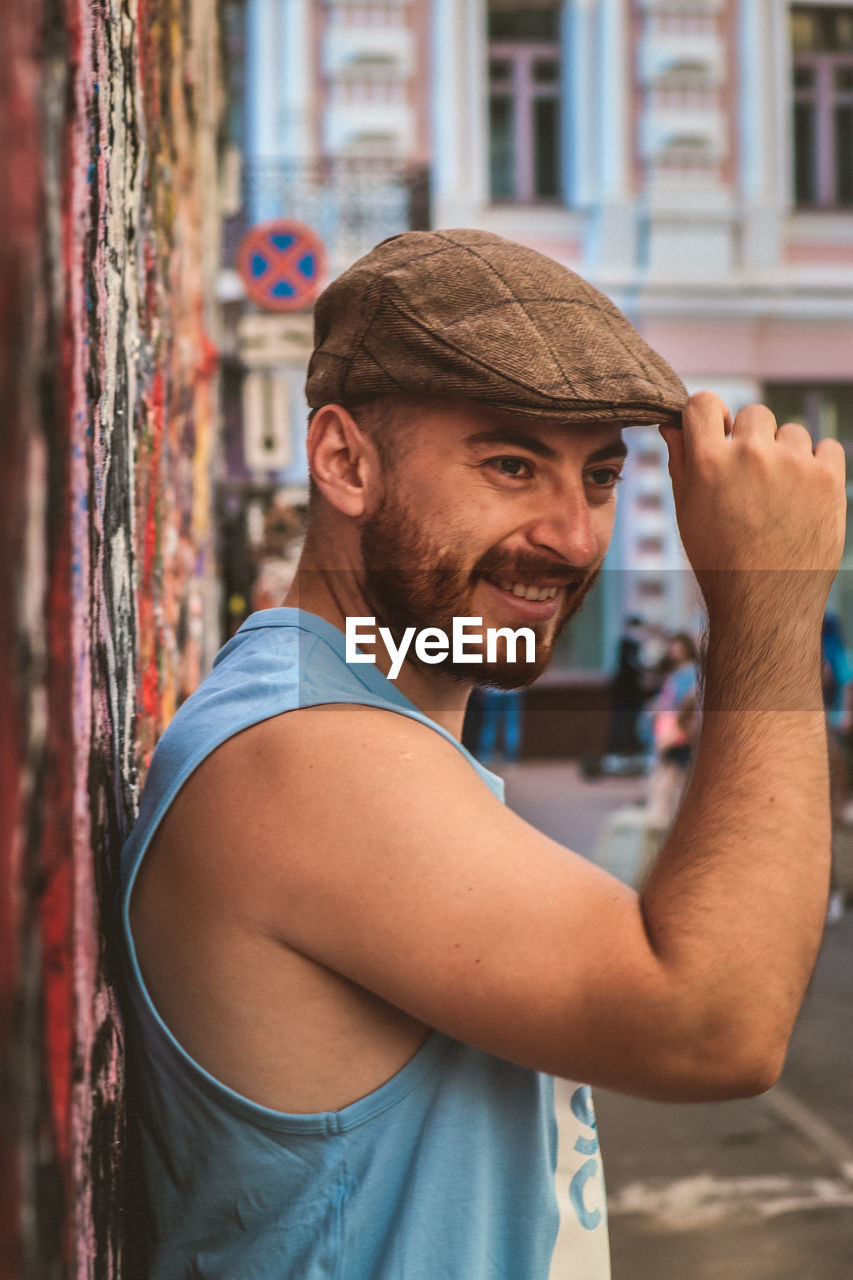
[108, 122]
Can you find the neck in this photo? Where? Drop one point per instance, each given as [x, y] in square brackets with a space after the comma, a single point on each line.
[335, 594]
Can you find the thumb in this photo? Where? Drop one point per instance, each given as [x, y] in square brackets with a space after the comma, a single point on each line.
[674, 438]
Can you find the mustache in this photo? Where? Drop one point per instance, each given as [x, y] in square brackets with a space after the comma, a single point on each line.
[528, 568]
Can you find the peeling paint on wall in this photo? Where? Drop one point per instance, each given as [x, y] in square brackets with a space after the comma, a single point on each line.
[108, 117]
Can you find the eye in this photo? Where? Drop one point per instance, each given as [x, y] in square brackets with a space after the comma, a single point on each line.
[604, 477]
[511, 466]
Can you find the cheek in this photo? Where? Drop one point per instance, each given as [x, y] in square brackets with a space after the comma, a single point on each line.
[467, 522]
[603, 522]
[460, 512]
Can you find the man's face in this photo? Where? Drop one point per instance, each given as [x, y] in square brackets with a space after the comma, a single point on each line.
[485, 514]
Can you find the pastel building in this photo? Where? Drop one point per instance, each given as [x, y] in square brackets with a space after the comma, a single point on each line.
[694, 158]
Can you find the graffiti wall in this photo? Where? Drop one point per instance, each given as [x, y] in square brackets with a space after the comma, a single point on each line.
[108, 120]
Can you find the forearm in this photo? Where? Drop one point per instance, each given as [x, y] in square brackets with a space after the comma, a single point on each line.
[734, 908]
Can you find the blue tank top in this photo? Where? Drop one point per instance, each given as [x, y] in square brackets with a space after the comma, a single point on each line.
[445, 1172]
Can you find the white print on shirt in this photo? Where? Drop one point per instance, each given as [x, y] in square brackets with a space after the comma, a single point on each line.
[588, 1215]
[582, 1248]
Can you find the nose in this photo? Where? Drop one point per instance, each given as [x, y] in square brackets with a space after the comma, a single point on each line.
[563, 526]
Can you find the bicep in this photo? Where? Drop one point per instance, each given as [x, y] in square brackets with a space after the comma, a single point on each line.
[386, 858]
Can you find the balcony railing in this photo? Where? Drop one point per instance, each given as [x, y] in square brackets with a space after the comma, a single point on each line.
[352, 203]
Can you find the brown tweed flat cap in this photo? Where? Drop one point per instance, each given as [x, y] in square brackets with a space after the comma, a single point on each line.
[468, 313]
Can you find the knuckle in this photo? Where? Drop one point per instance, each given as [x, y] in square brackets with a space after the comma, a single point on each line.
[751, 448]
[795, 431]
[704, 403]
[704, 466]
[700, 398]
[830, 449]
[754, 413]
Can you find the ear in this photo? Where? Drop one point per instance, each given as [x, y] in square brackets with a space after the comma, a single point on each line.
[343, 461]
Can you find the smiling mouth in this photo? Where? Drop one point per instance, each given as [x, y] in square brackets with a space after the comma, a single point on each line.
[526, 590]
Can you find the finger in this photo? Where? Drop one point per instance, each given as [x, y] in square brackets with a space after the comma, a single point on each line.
[831, 453]
[793, 435]
[755, 422]
[705, 422]
[674, 439]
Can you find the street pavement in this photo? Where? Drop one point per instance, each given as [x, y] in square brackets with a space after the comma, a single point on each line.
[760, 1189]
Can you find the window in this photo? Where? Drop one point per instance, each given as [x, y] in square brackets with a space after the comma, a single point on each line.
[822, 40]
[581, 647]
[825, 408]
[524, 103]
[232, 14]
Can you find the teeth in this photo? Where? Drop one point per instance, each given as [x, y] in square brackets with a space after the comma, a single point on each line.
[525, 592]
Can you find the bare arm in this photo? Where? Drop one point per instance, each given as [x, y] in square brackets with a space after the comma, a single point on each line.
[739, 892]
[394, 866]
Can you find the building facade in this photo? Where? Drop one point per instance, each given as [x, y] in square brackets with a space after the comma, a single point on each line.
[694, 158]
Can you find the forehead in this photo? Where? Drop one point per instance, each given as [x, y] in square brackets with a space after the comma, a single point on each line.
[466, 425]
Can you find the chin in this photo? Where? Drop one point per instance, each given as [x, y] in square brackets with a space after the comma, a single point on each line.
[495, 675]
[506, 680]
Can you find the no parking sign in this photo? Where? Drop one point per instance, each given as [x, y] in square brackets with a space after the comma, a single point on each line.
[282, 263]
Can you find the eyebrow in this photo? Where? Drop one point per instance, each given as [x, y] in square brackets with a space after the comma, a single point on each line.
[618, 449]
[521, 440]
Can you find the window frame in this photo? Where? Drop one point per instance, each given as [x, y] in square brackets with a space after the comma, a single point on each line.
[825, 98]
[523, 91]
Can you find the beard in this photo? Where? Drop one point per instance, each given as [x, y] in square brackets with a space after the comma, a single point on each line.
[410, 579]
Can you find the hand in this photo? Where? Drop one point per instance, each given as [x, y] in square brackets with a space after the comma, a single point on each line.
[759, 501]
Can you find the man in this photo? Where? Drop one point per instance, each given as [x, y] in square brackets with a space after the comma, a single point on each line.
[353, 971]
[675, 725]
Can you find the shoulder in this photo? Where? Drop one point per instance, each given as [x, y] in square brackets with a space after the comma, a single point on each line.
[363, 748]
[300, 815]
[288, 795]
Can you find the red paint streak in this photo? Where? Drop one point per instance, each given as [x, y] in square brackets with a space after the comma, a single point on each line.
[148, 28]
[11, 751]
[150, 690]
[55, 911]
[55, 907]
[21, 220]
[150, 695]
[208, 363]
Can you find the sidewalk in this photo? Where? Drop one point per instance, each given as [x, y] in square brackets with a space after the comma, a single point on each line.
[760, 1189]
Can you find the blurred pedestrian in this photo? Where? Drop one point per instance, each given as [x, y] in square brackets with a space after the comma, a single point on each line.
[628, 692]
[837, 677]
[675, 727]
[272, 583]
[837, 673]
[501, 720]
